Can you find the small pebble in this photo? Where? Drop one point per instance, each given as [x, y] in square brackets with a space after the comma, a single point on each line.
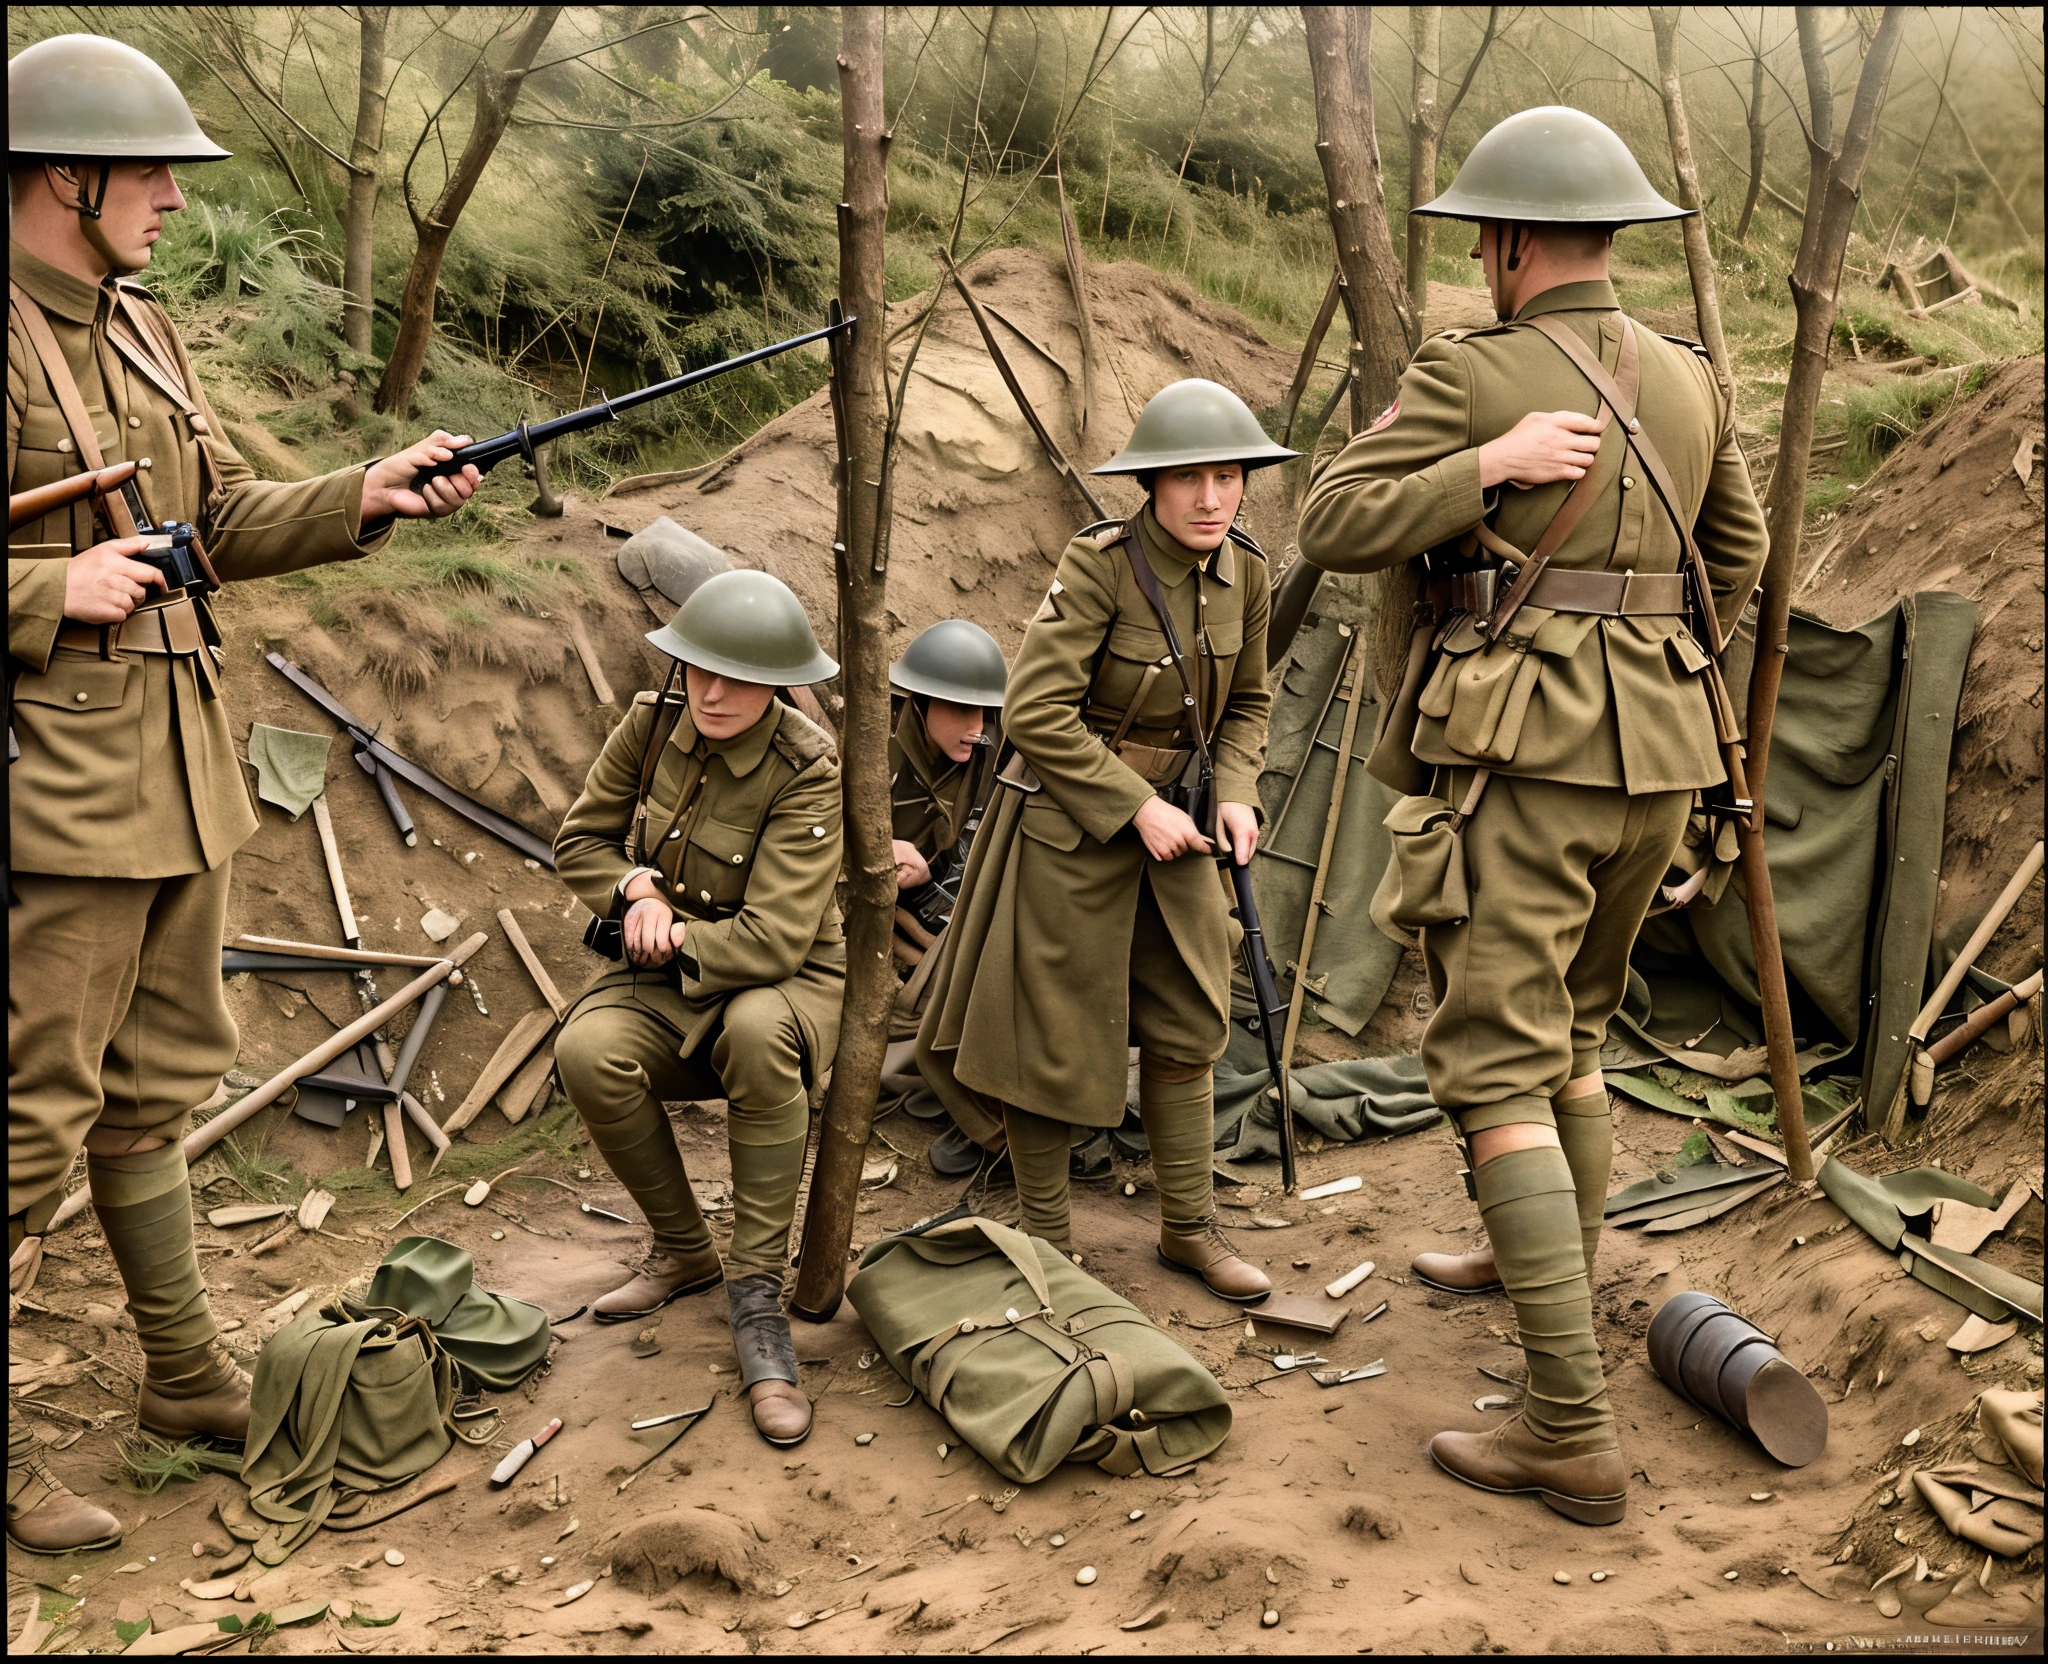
[497, 1236]
[1269, 1617]
[1058, 1540]
[1137, 1513]
[583, 1172]
[1560, 1577]
[393, 1558]
[1911, 1439]
[1085, 1576]
[199, 1551]
[1730, 1577]
[1130, 1189]
[1761, 1496]
[1600, 1577]
[547, 1560]
[863, 1438]
[944, 1450]
[1799, 1242]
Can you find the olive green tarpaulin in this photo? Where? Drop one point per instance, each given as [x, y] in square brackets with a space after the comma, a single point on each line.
[1854, 803]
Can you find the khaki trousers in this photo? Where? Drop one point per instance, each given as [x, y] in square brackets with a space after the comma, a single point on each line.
[117, 1026]
[1561, 878]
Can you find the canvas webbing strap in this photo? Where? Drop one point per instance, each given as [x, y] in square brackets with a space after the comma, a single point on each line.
[69, 400]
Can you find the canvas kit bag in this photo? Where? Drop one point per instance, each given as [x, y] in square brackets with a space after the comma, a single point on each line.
[1029, 1359]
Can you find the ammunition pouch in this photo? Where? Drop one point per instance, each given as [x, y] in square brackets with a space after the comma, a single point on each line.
[1424, 883]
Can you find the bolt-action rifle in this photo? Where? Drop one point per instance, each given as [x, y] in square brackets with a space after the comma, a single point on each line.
[176, 551]
[1272, 1008]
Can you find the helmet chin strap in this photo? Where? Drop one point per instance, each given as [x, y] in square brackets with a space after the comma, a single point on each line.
[90, 208]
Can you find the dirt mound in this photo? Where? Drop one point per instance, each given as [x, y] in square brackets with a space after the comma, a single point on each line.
[980, 515]
[1950, 510]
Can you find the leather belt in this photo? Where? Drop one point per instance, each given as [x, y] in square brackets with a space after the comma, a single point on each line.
[1610, 594]
[171, 629]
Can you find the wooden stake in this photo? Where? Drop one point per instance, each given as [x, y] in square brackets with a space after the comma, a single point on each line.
[394, 1140]
[531, 960]
[522, 1092]
[328, 847]
[512, 1051]
[348, 956]
[579, 636]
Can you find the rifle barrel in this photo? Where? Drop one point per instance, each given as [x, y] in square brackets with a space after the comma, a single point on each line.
[525, 439]
[1272, 1009]
[47, 499]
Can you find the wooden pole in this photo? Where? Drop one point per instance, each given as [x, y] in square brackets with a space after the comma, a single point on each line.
[324, 822]
[860, 395]
[1699, 255]
[1832, 191]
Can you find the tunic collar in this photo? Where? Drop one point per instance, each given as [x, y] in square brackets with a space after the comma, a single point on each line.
[70, 298]
[1594, 295]
[742, 753]
[1173, 560]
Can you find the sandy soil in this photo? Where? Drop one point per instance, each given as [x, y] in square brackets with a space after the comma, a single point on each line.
[1322, 1507]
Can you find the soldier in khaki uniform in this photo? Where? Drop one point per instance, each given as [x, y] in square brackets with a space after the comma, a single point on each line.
[952, 680]
[1092, 913]
[709, 830]
[1566, 711]
[126, 799]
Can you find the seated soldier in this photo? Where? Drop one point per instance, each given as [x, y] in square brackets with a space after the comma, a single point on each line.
[708, 837]
[941, 768]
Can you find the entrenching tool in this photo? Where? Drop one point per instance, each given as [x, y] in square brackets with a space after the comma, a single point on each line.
[1272, 1009]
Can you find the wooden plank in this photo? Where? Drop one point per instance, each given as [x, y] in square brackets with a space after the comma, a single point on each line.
[523, 1093]
[531, 960]
[579, 635]
[324, 822]
[394, 1141]
[320, 950]
[512, 1051]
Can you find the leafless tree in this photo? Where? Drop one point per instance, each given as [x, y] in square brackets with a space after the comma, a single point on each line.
[1699, 257]
[1428, 121]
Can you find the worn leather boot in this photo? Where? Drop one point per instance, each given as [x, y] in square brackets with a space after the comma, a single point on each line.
[1591, 1488]
[44, 1515]
[1472, 1272]
[1204, 1250]
[662, 1277]
[767, 1358]
[200, 1394]
[953, 1154]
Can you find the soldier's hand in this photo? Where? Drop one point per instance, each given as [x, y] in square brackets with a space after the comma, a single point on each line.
[653, 933]
[912, 868]
[387, 482]
[1168, 833]
[105, 584]
[1544, 446]
[1240, 827]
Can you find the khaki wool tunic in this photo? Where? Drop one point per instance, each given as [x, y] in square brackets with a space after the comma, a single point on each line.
[122, 773]
[744, 835]
[1619, 701]
[1031, 1000]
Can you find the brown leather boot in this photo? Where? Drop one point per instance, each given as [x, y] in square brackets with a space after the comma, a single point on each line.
[1512, 1461]
[1204, 1250]
[45, 1516]
[219, 1410]
[1468, 1273]
[782, 1414]
[662, 1277]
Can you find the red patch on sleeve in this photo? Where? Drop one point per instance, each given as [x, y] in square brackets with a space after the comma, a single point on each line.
[1386, 416]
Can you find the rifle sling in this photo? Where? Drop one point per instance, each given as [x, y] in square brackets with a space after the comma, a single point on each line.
[1148, 586]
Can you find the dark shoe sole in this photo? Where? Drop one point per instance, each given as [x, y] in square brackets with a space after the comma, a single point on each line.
[1189, 1270]
[1597, 1510]
[1450, 1288]
[701, 1286]
[77, 1548]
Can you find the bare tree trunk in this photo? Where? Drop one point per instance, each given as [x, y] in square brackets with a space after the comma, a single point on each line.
[1831, 198]
[359, 214]
[1425, 135]
[860, 385]
[1699, 256]
[1759, 136]
[497, 90]
[1382, 327]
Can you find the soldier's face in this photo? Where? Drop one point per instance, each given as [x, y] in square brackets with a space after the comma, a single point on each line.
[1195, 506]
[724, 706]
[953, 729]
[139, 195]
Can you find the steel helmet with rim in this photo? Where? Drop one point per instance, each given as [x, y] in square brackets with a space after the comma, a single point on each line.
[1195, 421]
[953, 660]
[1553, 165]
[85, 97]
[749, 626]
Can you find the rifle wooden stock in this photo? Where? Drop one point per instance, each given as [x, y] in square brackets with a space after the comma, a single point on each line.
[25, 506]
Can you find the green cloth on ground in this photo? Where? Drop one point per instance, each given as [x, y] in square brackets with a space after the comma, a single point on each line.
[291, 767]
[498, 1341]
[1886, 1208]
[1366, 1097]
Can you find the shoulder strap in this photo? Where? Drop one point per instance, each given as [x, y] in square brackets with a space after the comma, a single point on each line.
[69, 400]
[157, 360]
[1148, 586]
[1653, 464]
[667, 713]
[1587, 488]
